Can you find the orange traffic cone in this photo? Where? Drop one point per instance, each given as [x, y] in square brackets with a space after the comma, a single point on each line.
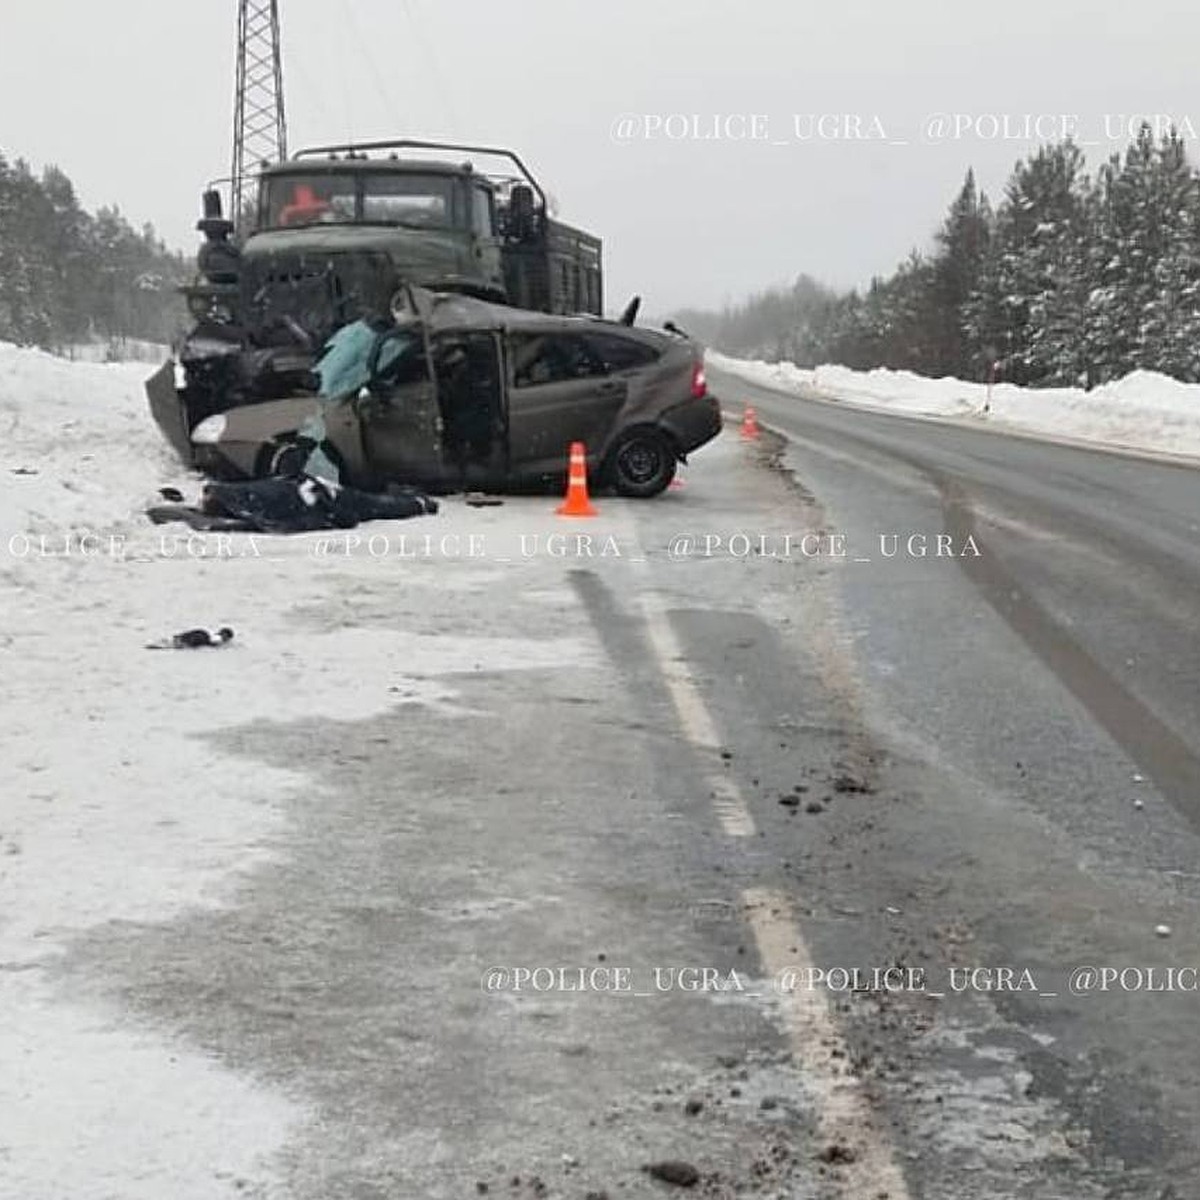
[750, 425]
[577, 503]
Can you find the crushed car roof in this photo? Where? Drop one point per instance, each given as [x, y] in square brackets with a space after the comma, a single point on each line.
[444, 311]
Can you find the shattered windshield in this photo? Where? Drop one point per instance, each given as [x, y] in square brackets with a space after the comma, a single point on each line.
[310, 200]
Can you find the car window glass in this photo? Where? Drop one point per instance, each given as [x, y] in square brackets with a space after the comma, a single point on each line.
[620, 353]
[553, 358]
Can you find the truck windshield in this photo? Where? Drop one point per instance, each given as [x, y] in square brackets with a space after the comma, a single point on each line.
[405, 198]
[416, 201]
[310, 200]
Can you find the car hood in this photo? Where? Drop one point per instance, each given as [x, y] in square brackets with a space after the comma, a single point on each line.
[261, 422]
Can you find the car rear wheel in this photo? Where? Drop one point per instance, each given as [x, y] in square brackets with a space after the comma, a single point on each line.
[643, 464]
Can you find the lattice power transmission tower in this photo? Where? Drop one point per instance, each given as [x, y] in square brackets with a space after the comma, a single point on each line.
[259, 122]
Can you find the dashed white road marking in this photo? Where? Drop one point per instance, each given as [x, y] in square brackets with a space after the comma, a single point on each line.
[844, 1115]
[694, 718]
[730, 807]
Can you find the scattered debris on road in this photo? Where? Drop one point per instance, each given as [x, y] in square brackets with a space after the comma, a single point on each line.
[674, 1171]
[848, 781]
[837, 1152]
[194, 639]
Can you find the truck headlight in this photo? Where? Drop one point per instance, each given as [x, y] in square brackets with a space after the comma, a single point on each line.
[210, 431]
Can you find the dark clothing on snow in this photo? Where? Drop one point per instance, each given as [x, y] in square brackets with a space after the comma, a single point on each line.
[295, 505]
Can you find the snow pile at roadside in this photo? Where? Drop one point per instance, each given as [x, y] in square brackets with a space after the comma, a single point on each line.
[77, 446]
[109, 812]
[1143, 411]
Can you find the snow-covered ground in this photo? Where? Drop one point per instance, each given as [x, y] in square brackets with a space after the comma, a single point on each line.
[112, 808]
[1144, 411]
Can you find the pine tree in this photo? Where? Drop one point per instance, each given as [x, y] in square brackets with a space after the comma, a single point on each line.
[66, 275]
[1030, 299]
[1071, 281]
[962, 245]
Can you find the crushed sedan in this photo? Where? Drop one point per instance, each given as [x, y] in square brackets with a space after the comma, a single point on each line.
[452, 392]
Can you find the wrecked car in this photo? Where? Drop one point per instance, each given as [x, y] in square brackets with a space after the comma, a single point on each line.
[456, 392]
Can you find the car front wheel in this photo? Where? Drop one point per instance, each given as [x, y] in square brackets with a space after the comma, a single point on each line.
[283, 457]
[643, 464]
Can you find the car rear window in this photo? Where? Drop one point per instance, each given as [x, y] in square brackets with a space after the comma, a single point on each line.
[620, 353]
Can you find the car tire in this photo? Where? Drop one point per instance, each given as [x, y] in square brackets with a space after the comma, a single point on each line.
[642, 464]
[281, 458]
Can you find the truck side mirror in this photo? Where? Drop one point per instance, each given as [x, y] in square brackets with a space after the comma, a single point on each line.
[216, 229]
[521, 212]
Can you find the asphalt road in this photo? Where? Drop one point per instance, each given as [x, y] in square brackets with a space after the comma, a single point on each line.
[1044, 679]
[776, 753]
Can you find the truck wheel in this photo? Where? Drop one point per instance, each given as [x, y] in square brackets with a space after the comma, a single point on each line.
[643, 464]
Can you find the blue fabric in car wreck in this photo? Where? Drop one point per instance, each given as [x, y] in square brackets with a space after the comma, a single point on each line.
[357, 354]
[296, 505]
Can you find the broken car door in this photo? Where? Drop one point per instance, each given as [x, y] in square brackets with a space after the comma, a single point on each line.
[398, 413]
[560, 391]
[470, 388]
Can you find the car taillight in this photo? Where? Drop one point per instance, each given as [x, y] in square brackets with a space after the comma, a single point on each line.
[699, 382]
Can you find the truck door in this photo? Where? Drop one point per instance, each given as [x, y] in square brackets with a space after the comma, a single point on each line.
[560, 391]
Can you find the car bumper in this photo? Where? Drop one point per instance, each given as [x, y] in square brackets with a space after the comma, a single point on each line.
[693, 423]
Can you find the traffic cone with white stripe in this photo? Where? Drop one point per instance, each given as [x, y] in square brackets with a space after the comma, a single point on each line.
[750, 425]
[577, 503]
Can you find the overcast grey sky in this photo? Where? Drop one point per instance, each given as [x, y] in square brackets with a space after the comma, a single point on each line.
[133, 99]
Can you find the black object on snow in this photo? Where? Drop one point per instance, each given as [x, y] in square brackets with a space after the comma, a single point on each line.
[295, 505]
[195, 518]
[194, 639]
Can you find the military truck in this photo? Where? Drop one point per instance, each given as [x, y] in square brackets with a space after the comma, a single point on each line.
[334, 232]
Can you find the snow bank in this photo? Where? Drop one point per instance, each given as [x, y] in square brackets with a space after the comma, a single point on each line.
[1144, 411]
[112, 810]
[76, 446]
